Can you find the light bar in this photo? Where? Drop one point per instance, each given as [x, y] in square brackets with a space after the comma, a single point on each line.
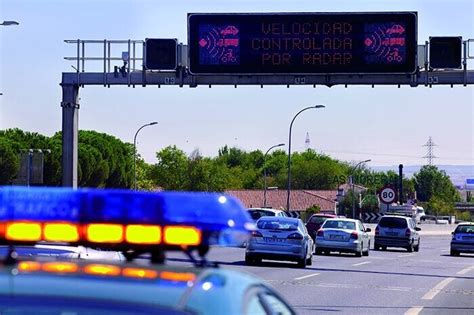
[61, 232]
[182, 235]
[102, 270]
[104, 233]
[139, 273]
[23, 231]
[120, 218]
[143, 234]
[60, 267]
[99, 269]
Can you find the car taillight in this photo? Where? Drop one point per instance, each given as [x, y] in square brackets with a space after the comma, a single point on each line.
[377, 232]
[407, 232]
[354, 235]
[295, 236]
[256, 234]
[320, 233]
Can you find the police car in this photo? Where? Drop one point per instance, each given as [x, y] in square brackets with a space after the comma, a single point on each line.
[133, 223]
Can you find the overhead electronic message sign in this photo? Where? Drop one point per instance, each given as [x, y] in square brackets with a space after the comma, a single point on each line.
[302, 43]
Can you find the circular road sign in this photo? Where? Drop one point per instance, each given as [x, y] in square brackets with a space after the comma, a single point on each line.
[387, 195]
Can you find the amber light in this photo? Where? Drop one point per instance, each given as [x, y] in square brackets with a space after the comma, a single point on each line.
[143, 234]
[23, 231]
[103, 270]
[182, 235]
[104, 233]
[29, 266]
[61, 232]
[177, 276]
[139, 273]
[60, 267]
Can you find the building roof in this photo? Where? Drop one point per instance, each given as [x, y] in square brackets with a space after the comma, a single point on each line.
[276, 199]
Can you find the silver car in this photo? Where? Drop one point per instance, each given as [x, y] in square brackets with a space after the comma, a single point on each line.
[463, 239]
[280, 238]
[343, 235]
[397, 231]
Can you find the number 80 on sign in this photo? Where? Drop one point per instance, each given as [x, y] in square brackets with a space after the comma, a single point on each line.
[387, 195]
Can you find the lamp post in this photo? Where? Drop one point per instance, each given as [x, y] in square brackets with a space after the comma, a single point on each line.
[8, 23]
[352, 182]
[135, 153]
[265, 174]
[288, 185]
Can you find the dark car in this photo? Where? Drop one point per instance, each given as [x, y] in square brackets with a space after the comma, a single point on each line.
[397, 231]
[315, 222]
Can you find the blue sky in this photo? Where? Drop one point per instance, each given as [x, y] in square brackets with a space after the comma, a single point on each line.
[386, 124]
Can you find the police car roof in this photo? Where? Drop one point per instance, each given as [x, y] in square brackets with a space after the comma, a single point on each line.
[175, 287]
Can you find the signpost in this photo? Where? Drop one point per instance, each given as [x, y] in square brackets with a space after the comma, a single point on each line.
[302, 43]
[387, 195]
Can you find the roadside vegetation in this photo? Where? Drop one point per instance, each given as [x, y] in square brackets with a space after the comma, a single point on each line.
[107, 162]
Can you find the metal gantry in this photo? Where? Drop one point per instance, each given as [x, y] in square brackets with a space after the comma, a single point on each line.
[130, 71]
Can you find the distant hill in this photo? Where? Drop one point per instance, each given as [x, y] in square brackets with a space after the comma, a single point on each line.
[457, 173]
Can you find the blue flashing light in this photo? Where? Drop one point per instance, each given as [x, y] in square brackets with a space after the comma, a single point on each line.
[223, 217]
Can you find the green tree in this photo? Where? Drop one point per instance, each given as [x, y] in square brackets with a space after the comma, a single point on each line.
[171, 171]
[437, 206]
[9, 162]
[431, 182]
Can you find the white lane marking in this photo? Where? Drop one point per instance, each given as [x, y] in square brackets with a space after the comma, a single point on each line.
[362, 263]
[406, 255]
[415, 310]
[308, 276]
[465, 270]
[440, 286]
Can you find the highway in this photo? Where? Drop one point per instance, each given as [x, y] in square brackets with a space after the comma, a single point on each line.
[392, 282]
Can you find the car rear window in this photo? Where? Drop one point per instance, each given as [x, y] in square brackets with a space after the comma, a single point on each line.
[257, 214]
[334, 224]
[396, 223]
[467, 229]
[318, 220]
[276, 225]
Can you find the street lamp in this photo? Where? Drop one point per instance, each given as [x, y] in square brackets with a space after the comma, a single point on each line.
[8, 23]
[352, 182]
[265, 174]
[135, 153]
[288, 185]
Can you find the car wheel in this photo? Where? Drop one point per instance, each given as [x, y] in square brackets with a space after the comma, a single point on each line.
[383, 247]
[454, 253]
[327, 252]
[376, 246]
[366, 253]
[417, 247]
[302, 262]
[318, 251]
[249, 260]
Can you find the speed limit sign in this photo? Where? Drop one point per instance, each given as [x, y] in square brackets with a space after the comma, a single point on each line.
[387, 195]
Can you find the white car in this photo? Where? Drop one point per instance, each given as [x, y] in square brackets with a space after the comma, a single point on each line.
[343, 235]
